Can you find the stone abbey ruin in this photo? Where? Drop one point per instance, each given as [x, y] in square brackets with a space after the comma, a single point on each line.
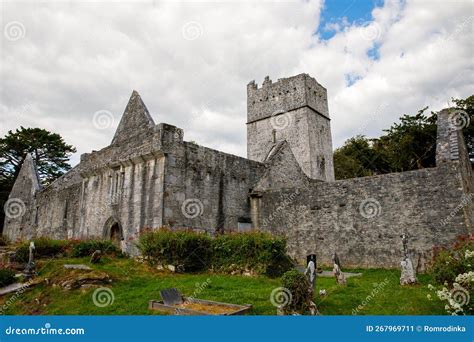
[148, 177]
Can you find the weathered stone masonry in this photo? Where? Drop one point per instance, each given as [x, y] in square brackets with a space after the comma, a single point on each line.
[148, 177]
[362, 218]
[140, 181]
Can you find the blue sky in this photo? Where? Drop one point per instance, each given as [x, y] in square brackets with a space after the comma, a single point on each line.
[356, 11]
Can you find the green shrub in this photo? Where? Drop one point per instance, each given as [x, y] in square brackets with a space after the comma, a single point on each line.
[44, 248]
[7, 277]
[85, 248]
[448, 263]
[186, 250]
[298, 285]
[257, 252]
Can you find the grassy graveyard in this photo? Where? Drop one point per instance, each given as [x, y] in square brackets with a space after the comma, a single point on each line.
[134, 283]
[242, 268]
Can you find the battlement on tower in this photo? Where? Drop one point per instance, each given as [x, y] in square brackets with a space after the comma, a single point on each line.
[285, 95]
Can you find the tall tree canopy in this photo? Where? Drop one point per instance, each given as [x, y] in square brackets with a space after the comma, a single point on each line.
[48, 150]
[356, 158]
[407, 145]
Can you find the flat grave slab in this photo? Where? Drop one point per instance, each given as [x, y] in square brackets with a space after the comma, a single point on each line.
[174, 303]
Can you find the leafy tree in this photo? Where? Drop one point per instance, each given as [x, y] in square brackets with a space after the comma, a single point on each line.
[356, 158]
[407, 145]
[48, 150]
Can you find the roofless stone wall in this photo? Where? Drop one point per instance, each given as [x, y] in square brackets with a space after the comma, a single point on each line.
[362, 218]
[208, 189]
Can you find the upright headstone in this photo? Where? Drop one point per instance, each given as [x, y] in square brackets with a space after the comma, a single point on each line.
[30, 270]
[95, 257]
[310, 271]
[340, 278]
[171, 296]
[407, 276]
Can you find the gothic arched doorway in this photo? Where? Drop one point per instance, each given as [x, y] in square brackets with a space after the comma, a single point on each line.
[113, 232]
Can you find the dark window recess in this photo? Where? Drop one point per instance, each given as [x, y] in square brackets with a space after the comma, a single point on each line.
[322, 164]
[66, 205]
[36, 215]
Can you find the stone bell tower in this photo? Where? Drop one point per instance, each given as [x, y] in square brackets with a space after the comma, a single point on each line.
[294, 109]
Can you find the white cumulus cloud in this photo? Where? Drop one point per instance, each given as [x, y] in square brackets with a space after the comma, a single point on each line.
[191, 61]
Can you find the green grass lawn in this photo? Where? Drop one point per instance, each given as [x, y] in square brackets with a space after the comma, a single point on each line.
[134, 284]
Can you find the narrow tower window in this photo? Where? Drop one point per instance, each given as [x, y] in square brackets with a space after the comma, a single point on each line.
[65, 210]
[37, 215]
